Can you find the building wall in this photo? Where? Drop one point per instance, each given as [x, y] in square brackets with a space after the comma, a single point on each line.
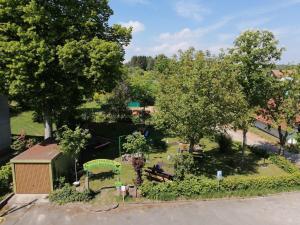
[5, 133]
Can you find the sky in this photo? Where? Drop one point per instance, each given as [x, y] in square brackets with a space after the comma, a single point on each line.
[166, 26]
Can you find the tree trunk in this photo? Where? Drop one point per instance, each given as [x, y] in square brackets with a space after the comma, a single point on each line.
[192, 144]
[245, 131]
[48, 125]
[282, 140]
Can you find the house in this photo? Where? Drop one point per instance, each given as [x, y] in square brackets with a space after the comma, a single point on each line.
[5, 132]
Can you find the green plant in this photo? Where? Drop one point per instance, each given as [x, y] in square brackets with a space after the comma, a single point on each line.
[68, 194]
[183, 164]
[21, 143]
[5, 178]
[224, 141]
[195, 186]
[136, 143]
[73, 142]
[284, 164]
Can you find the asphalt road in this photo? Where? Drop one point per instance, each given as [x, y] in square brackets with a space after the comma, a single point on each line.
[280, 209]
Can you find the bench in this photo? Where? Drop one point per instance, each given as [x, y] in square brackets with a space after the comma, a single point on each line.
[157, 174]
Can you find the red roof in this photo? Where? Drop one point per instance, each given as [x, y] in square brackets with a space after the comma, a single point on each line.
[45, 151]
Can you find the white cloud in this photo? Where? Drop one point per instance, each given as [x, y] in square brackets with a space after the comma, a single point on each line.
[137, 26]
[192, 10]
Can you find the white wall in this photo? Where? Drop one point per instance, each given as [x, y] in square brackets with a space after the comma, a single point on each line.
[5, 133]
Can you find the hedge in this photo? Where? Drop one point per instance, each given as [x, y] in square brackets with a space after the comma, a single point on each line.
[193, 187]
[284, 164]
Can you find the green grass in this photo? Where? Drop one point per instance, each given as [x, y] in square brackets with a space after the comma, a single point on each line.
[23, 123]
[264, 135]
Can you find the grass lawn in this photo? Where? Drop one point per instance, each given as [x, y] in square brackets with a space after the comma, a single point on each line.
[230, 163]
[23, 123]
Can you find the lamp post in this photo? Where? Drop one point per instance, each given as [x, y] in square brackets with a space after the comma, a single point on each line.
[120, 143]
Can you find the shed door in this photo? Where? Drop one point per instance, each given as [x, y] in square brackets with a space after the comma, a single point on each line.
[32, 178]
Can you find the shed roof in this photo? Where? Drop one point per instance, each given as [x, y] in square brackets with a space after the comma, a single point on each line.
[43, 152]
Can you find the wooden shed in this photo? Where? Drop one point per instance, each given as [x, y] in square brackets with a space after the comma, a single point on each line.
[35, 169]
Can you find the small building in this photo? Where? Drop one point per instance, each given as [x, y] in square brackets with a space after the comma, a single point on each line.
[36, 169]
[5, 133]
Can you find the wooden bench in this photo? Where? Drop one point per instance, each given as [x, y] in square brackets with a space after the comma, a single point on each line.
[153, 173]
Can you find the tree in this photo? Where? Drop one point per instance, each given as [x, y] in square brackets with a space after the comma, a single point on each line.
[57, 53]
[117, 102]
[143, 86]
[283, 109]
[254, 54]
[142, 62]
[198, 98]
[136, 144]
[72, 142]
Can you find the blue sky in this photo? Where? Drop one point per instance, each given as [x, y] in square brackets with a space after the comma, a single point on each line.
[165, 26]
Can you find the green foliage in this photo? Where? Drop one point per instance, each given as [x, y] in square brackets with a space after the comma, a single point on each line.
[68, 194]
[254, 54]
[21, 143]
[142, 62]
[225, 142]
[5, 178]
[284, 107]
[184, 165]
[143, 86]
[195, 187]
[284, 164]
[136, 143]
[53, 56]
[73, 142]
[117, 103]
[194, 99]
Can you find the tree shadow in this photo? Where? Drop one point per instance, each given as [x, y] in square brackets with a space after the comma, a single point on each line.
[102, 176]
[230, 163]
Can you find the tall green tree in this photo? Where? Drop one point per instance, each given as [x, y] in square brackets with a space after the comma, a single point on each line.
[56, 53]
[199, 98]
[254, 54]
[283, 109]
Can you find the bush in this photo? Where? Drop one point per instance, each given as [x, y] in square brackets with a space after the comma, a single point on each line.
[184, 164]
[21, 143]
[284, 164]
[69, 194]
[5, 179]
[259, 151]
[193, 187]
[225, 142]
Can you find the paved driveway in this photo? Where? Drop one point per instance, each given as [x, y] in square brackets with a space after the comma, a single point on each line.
[280, 209]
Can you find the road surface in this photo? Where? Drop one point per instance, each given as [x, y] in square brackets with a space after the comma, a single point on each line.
[282, 209]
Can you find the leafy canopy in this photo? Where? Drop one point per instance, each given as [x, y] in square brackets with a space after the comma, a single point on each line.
[136, 143]
[56, 53]
[198, 97]
[72, 142]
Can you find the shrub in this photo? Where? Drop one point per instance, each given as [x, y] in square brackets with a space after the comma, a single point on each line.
[194, 187]
[136, 143]
[21, 143]
[69, 194]
[259, 151]
[284, 164]
[224, 142]
[5, 178]
[184, 164]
